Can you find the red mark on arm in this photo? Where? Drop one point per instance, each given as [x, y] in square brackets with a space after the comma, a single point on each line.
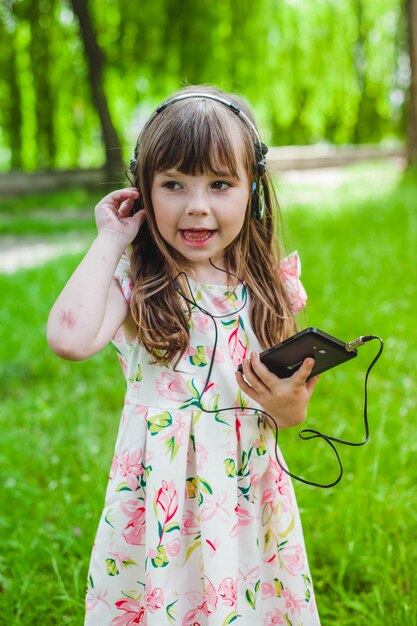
[67, 319]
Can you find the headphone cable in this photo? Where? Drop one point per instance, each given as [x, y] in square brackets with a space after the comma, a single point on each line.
[306, 433]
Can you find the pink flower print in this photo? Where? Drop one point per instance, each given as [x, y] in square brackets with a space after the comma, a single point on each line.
[213, 544]
[243, 516]
[177, 430]
[238, 343]
[247, 578]
[312, 604]
[190, 524]
[148, 457]
[238, 427]
[267, 591]
[213, 507]
[202, 605]
[200, 608]
[293, 604]
[171, 386]
[167, 503]
[227, 591]
[120, 557]
[254, 478]
[290, 272]
[274, 617]
[142, 411]
[154, 598]
[135, 529]
[201, 455]
[152, 553]
[280, 490]
[232, 452]
[293, 558]
[134, 613]
[221, 303]
[96, 599]
[203, 323]
[218, 355]
[167, 500]
[173, 547]
[130, 467]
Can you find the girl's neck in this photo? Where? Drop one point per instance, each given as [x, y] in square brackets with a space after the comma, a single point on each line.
[208, 273]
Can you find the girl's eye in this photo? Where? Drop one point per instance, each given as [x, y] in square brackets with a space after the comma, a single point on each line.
[221, 185]
[171, 184]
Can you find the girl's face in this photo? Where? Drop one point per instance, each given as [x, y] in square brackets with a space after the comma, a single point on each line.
[200, 216]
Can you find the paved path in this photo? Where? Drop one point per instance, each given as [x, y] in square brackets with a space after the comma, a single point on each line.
[30, 251]
[16, 254]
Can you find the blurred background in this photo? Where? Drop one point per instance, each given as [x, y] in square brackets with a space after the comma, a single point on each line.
[78, 78]
[333, 85]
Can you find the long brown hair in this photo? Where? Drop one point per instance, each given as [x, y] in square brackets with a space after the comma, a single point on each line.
[195, 136]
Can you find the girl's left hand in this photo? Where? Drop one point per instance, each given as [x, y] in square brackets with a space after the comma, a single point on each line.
[286, 399]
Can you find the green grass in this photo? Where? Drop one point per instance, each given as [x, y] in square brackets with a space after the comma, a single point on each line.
[50, 213]
[58, 420]
[70, 197]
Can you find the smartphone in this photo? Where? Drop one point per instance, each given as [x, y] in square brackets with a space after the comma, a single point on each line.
[286, 357]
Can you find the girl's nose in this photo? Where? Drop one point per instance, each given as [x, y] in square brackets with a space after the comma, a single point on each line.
[197, 204]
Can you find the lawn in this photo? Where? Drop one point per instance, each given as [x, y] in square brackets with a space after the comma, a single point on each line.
[58, 420]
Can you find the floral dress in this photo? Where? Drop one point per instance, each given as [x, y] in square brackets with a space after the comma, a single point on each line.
[200, 525]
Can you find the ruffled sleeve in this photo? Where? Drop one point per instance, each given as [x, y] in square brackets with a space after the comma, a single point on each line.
[123, 275]
[290, 272]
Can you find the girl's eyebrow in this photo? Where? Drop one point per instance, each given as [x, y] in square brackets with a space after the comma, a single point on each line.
[217, 174]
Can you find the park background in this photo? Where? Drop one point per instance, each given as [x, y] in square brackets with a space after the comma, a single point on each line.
[77, 80]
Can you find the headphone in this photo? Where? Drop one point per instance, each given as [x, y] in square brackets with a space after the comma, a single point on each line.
[257, 190]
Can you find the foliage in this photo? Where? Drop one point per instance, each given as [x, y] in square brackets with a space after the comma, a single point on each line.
[314, 71]
[58, 419]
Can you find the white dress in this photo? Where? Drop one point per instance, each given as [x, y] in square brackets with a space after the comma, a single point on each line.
[200, 525]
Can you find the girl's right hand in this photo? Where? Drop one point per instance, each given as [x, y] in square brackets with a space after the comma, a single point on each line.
[113, 214]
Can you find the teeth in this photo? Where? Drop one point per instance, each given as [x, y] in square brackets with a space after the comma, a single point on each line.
[196, 236]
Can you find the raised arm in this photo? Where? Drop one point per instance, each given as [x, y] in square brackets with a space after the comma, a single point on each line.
[91, 307]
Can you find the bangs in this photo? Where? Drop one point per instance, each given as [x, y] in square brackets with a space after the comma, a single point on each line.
[199, 138]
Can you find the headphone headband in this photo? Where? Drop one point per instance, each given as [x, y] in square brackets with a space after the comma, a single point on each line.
[208, 96]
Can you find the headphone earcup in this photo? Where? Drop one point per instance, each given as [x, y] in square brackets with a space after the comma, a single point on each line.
[133, 168]
[138, 205]
[257, 200]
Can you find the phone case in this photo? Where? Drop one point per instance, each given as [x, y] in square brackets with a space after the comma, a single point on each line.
[286, 357]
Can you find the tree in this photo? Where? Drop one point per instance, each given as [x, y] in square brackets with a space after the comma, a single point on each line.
[95, 60]
[412, 105]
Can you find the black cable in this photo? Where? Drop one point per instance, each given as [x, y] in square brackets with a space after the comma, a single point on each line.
[312, 434]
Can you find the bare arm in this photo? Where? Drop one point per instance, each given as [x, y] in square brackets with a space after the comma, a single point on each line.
[91, 307]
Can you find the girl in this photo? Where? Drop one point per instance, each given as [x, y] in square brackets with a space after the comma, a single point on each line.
[200, 525]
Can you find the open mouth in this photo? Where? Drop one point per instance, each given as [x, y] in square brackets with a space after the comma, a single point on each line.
[197, 234]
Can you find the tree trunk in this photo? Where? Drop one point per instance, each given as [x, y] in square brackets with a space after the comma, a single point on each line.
[95, 60]
[45, 109]
[14, 109]
[412, 105]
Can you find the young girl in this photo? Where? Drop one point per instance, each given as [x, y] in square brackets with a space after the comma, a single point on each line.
[200, 524]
